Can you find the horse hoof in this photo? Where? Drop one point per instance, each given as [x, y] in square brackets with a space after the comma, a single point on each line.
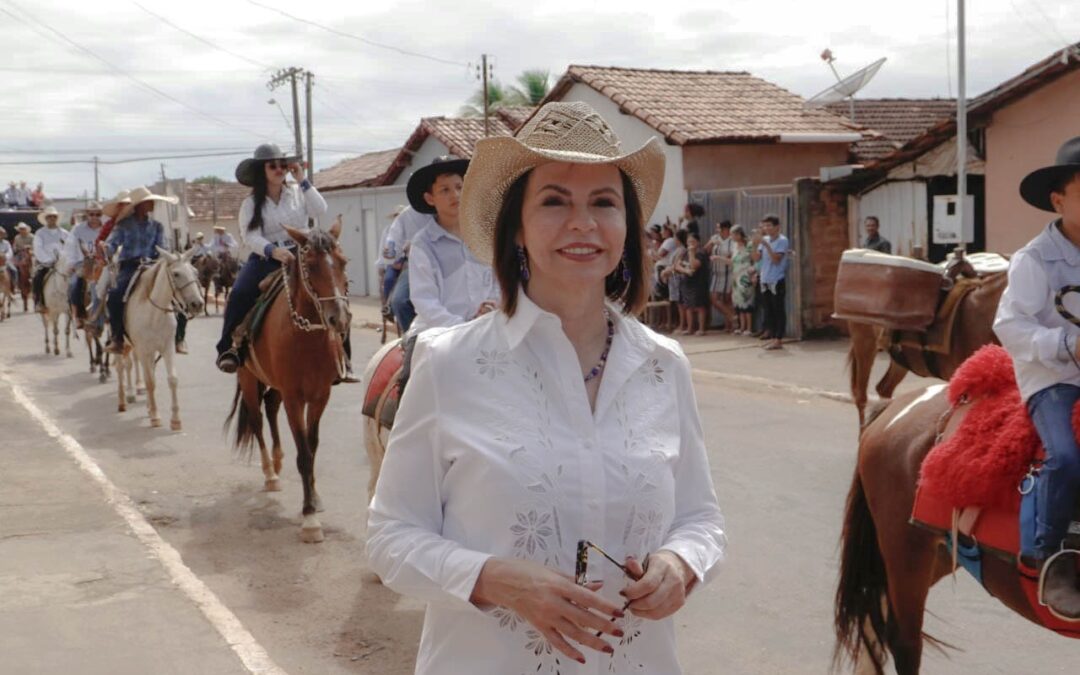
[131, 398]
[273, 485]
[311, 535]
[175, 425]
[140, 391]
[154, 422]
[121, 408]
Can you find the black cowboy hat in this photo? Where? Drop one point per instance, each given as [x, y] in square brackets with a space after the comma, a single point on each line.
[1035, 188]
[245, 170]
[424, 177]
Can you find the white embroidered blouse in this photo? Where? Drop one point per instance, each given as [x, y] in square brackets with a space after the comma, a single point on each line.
[293, 208]
[495, 452]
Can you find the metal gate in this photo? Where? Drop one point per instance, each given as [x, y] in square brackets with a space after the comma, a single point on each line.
[746, 207]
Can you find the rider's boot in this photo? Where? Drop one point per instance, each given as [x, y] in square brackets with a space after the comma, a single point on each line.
[115, 346]
[1060, 589]
[228, 361]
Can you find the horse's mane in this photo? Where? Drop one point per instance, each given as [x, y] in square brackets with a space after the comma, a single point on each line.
[321, 241]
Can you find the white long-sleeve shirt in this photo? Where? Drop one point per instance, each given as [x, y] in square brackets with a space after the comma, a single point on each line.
[8, 253]
[447, 284]
[495, 452]
[49, 244]
[408, 223]
[223, 243]
[1040, 339]
[80, 241]
[293, 209]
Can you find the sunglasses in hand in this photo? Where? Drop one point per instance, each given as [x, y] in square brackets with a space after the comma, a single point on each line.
[581, 567]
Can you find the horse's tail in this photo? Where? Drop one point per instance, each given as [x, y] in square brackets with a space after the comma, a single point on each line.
[862, 604]
[248, 422]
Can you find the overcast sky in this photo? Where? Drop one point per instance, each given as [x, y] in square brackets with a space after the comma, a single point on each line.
[61, 102]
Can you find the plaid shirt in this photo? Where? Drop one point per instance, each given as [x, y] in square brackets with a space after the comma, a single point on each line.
[139, 239]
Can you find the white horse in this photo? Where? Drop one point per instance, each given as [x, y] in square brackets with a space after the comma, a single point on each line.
[150, 324]
[56, 305]
[7, 290]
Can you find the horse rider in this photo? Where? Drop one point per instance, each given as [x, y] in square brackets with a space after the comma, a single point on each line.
[272, 206]
[8, 254]
[48, 245]
[24, 240]
[200, 246]
[448, 285]
[11, 195]
[81, 243]
[138, 237]
[222, 243]
[1043, 338]
[109, 211]
[395, 259]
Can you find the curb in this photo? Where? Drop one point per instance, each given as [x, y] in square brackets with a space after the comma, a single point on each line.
[758, 383]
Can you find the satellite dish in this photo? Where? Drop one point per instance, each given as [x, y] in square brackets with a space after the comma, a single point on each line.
[845, 87]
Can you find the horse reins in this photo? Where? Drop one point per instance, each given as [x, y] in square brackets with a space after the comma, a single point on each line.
[174, 292]
[299, 321]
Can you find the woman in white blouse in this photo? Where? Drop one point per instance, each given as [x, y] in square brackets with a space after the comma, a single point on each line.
[556, 420]
[264, 214]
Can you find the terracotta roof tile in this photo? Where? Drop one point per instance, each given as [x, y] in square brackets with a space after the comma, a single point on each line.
[704, 106]
[460, 134]
[361, 171]
[221, 200]
[515, 116]
[896, 121]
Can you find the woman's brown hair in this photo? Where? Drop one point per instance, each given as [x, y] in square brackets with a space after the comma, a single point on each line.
[632, 294]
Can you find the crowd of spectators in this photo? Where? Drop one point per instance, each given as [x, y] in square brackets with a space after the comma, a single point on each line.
[19, 196]
[739, 273]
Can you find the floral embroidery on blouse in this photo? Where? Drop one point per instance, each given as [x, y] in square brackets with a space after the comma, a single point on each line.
[492, 363]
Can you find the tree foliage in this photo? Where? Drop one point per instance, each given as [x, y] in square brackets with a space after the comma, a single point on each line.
[531, 88]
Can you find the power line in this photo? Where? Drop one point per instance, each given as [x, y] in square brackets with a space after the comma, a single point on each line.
[121, 71]
[202, 39]
[155, 158]
[1050, 22]
[359, 38]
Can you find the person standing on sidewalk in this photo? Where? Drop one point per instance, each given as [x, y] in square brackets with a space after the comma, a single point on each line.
[874, 240]
[773, 251]
[720, 248]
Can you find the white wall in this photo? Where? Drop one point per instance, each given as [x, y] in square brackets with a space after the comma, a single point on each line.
[428, 151]
[633, 133]
[365, 216]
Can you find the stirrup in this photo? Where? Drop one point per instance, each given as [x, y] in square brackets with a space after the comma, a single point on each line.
[228, 361]
[1047, 564]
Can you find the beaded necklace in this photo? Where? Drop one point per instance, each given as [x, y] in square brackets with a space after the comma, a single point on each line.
[599, 367]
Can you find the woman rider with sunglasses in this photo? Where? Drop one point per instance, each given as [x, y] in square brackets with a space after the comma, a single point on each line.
[272, 206]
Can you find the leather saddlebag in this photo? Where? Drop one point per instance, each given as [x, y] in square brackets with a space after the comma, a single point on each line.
[892, 291]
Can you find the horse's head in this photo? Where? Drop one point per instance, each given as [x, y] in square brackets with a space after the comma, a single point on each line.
[183, 279]
[91, 268]
[320, 265]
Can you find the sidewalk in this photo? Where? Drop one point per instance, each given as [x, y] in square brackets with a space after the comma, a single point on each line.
[813, 367]
[79, 593]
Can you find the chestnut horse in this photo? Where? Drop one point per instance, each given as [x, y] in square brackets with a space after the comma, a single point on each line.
[7, 289]
[93, 326]
[887, 566]
[973, 329]
[24, 264]
[224, 277]
[294, 361]
[207, 268]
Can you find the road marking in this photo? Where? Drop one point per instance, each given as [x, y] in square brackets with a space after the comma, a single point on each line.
[754, 382]
[255, 659]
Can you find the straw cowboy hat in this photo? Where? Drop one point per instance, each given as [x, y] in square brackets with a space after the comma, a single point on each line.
[246, 170]
[424, 177]
[92, 206]
[1035, 188]
[46, 212]
[200, 235]
[220, 228]
[141, 195]
[113, 206]
[558, 132]
[22, 227]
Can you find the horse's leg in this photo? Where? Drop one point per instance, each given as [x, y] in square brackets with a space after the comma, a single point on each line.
[173, 380]
[67, 335]
[121, 377]
[314, 415]
[891, 379]
[861, 354]
[272, 401]
[45, 323]
[310, 529]
[252, 398]
[147, 363]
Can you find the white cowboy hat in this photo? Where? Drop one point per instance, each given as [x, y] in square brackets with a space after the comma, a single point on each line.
[558, 132]
[22, 226]
[220, 227]
[113, 206]
[141, 195]
[92, 206]
[46, 212]
[200, 235]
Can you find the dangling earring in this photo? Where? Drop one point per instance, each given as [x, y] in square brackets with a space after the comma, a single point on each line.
[625, 268]
[523, 262]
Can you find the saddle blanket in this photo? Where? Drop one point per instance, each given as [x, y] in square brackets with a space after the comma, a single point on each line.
[251, 326]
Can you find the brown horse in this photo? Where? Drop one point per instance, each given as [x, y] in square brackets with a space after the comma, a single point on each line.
[888, 566]
[24, 264]
[294, 361]
[973, 329]
[225, 277]
[93, 326]
[207, 268]
[7, 290]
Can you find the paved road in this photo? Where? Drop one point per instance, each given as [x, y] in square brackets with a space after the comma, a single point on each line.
[781, 463]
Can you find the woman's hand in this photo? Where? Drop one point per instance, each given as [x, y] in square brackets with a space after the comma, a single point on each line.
[297, 171]
[561, 610]
[660, 591]
[282, 255]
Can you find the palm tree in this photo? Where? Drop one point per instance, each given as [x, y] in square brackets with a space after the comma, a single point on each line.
[532, 87]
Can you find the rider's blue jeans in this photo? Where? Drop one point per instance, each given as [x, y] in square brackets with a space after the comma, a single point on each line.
[245, 292]
[400, 303]
[1059, 481]
[115, 301]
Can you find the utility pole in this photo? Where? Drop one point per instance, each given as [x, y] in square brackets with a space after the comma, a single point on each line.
[483, 75]
[961, 123]
[308, 82]
[97, 193]
[279, 78]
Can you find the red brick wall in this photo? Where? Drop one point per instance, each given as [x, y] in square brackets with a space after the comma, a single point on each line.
[822, 217]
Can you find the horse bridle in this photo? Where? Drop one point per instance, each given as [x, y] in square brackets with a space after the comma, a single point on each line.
[302, 322]
[174, 306]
